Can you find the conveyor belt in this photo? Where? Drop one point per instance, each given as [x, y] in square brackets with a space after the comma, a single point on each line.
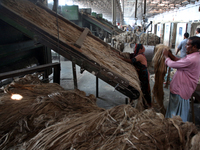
[115, 29]
[74, 43]
[102, 24]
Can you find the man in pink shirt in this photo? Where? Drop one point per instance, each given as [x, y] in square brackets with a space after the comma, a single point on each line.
[185, 79]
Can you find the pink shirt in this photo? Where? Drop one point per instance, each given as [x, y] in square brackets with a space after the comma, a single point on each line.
[185, 79]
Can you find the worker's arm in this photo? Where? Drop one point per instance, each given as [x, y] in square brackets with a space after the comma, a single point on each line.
[169, 54]
[125, 59]
[178, 51]
[172, 57]
[179, 48]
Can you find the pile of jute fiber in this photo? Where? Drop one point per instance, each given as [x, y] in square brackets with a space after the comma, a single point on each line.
[79, 123]
[160, 70]
[49, 117]
[134, 38]
[42, 105]
[119, 128]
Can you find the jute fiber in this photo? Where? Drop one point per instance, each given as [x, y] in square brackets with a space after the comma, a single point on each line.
[160, 70]
[134, 38]
[49, 117]
[120, 128]
[42, 105]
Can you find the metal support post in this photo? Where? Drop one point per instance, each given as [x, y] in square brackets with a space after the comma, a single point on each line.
[56, 75]
[97, 86]
[74, 75]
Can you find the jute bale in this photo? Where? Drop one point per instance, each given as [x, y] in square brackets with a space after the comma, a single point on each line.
[130, 37]
[120, 46]
[122, 127]
[149, 39]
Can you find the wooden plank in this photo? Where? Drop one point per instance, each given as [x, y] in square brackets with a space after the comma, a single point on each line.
[79, 42]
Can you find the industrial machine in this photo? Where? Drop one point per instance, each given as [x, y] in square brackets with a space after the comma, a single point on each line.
[91, 20]
[20, 49]
[54, 33]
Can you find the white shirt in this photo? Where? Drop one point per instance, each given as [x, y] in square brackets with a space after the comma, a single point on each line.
[198, 35]
[182, 47]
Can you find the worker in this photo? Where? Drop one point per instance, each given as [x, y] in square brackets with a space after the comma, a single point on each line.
[185, 79]
[139, 29]
[181, 46]
[129, 28]
[198, 32]
[139, 60]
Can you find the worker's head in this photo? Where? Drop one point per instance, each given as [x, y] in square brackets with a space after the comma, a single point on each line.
[186, 35]
[193, 44]
[139, 28]
[197, 30]
[139, 49]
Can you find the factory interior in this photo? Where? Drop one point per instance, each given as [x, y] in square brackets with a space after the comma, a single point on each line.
[68, 80]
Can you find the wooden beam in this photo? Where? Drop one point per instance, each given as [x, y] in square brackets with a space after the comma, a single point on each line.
[80, 40]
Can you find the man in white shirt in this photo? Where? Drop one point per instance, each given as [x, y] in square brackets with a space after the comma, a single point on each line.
[181, 46]
[198, 32]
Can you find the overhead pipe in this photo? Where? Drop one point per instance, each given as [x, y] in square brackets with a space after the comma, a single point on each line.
[120, 10]
[144, 15]
[119, 7]
[114, 12]
[123, 6]
[145, 3]
[123, 11]
[136, 12]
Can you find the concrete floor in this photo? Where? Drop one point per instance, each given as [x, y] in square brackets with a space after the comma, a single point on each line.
[108, 96]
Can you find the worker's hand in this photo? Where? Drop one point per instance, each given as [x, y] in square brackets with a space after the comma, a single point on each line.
[165, 53]
[170, 55]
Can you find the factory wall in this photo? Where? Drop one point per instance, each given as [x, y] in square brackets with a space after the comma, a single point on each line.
[171, 26]
[189, 13]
